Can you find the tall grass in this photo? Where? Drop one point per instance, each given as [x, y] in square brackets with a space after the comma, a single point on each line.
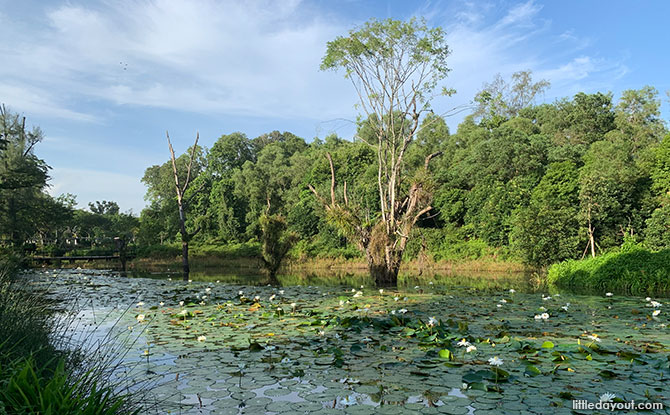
[39, 374]
[633, 270]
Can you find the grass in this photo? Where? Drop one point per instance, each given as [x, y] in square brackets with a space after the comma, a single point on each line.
[633, 270]
[38, 375]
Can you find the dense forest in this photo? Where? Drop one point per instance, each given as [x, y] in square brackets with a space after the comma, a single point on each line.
[518, 181]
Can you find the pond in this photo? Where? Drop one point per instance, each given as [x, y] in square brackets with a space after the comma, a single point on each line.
[456, 345]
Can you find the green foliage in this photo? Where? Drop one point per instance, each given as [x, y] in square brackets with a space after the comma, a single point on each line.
[546, 230]
[29, 390]
[633, 270]
[276, 242]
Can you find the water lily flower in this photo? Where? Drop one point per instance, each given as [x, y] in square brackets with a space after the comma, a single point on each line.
[140, 304]
[161, 304]
[543, 309]
[607, 397]
[169, 279]
[341, 303]
[146, 353]
[281, 292]
[353, 290]
[202, 338]
[240, 293]
[565, 307]
[470, 348]
[181, 303]
[362, 287]
[395, 298]
[416, 287]
[272, 297]
[503, 301]
[512, 290]
[557, 295]
[381, 291]
[648, 299]
[430, 282]
[321, 332]
[183, 313]
[495, 361]
[464, 386]
[358, 294]
[656, 313]
[293, 305]
[608, 294]
[140, 318]
[204, 297]
[256, 298]
[202, 303]
[655, 304]
[393, 312]
[594, 337]
[402, 311]
[544, 316]
[208, 289]
[190, 281]
[431, 322]
[130, 328]
[463, 343]
[498, 305]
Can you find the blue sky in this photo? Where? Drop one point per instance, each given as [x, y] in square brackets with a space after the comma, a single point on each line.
[105, 79]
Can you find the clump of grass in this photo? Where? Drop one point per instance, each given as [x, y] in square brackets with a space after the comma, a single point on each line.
[37, 374]
[634, 270]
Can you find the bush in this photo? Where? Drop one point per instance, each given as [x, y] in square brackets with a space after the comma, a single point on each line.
[159, 251]
[633, 269]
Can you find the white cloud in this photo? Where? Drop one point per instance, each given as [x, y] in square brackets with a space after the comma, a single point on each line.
[254, 58]
[98, 185]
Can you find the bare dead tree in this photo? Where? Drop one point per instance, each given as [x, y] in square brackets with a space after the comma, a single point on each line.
[186, 236]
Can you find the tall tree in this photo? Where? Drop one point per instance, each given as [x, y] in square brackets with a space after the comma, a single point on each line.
[186, 236]
[395, 67]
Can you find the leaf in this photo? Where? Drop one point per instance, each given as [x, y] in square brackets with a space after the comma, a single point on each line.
[547, 345]
[446, 354]
[532, 371]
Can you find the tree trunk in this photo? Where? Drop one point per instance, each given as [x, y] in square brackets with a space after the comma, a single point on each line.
[184, 260]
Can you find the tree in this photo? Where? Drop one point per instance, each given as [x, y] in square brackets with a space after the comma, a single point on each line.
[182, 203]
[23, 178]
[276, 242]
[501, 100]
[394, 67]
[546, 231]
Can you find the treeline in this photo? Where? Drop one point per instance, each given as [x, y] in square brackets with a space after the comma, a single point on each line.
[537, 183]
[517, 181]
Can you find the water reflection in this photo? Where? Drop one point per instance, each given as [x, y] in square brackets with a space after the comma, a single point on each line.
[476, 280]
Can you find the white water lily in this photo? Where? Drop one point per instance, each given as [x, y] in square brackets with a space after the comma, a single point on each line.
[358, 294]
[470, 348]
[140, 304]
[272, 297]
[656, 313]
[655, 304]
[463, 343]
[341, 303]
[402, 311]
[495, 361]
[512, 290]
[321, 332]
[648, 299]
[202, 303]
[140, 318]
[353, 290]
[543, 309]
[381, 291]
[503, 301]
[416, 287]
[293, 305]
[395, 298]
[607, 397]
[431, 322]
[161, 304]
[256, 298]
[565, 307]
[594, 337]
[608, 294]
[393, 312]
[202, 338]
[281, 292]
[240, 293]
[499, 305]
[544, 316]
[181, 303]
[208, 289]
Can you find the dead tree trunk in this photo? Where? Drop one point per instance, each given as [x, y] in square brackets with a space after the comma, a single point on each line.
[181, 202]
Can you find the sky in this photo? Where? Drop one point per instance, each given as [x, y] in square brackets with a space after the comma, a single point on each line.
[105, 79]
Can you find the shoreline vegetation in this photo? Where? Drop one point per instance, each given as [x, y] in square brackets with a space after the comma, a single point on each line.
[41, 371]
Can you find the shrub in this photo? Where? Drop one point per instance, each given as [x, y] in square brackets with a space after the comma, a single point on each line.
[633, 269]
